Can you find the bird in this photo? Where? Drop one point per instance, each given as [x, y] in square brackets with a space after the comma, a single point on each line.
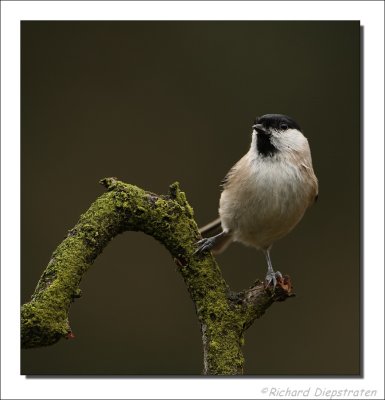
[266, 193]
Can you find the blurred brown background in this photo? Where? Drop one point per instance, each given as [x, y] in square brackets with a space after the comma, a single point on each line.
[155, 102]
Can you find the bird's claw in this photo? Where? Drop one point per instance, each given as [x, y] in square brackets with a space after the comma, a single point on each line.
[272, 278]
[204, 245]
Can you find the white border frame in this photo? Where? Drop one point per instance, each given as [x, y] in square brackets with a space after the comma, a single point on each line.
[370, 13]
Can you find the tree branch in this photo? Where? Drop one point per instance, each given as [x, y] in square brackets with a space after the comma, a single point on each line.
[224, 315]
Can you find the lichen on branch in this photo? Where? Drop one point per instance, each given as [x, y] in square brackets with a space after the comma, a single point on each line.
[223, 315]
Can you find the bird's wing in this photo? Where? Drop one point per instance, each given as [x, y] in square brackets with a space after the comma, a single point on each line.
[215, 226]
[226, 181]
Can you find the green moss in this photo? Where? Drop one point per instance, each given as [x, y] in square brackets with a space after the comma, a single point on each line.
[46, 316]
[42, 325]
[168, 219]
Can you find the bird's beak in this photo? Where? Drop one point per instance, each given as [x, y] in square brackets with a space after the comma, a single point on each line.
[260, 129]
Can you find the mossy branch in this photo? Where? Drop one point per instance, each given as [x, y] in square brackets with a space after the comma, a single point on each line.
[224, 315]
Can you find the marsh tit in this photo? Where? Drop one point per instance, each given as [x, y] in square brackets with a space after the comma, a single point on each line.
[266, 193]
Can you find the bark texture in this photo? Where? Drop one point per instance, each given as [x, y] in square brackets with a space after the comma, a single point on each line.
[224, 315]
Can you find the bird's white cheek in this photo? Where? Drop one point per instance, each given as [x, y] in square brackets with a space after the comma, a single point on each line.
[290, 140]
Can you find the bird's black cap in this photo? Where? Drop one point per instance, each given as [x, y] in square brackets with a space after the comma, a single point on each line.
[275, 121]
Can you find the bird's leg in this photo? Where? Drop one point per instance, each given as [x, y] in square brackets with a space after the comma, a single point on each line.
[271, 276]
[215, 243]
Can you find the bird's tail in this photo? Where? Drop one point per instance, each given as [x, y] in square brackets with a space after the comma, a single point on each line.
[212, 228]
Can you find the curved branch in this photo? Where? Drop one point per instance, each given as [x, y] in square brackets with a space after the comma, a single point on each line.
[224, 315]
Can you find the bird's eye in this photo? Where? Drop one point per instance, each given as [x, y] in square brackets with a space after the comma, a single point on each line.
[283, 127]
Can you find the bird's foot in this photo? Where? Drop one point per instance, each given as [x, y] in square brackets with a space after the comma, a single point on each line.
[272, 278]
[204, 245]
